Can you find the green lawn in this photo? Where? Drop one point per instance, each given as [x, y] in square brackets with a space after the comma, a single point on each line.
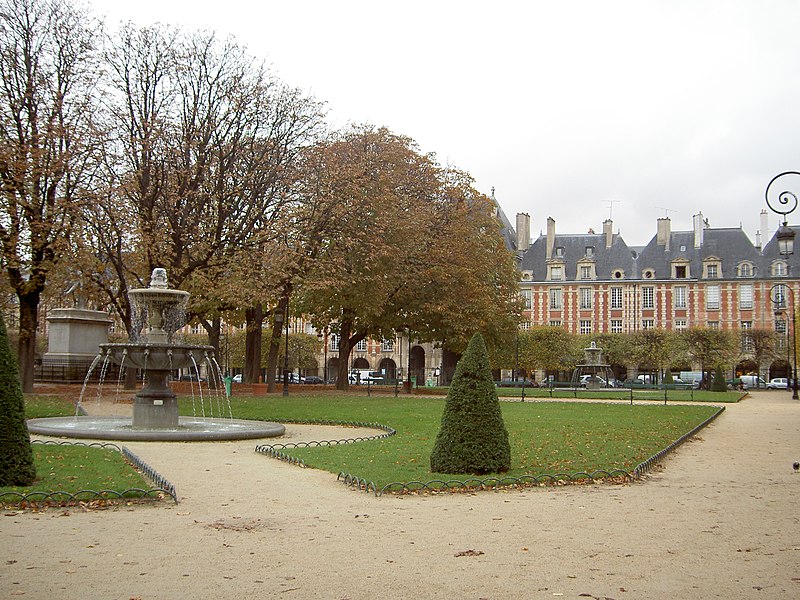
[67, 468]
[73, 468]
[546, 438]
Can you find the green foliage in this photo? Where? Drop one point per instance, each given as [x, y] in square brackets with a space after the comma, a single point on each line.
[668, 377]
[16, 457]
[549, 349]
[708, 346]
[473, 436]
[719, 384]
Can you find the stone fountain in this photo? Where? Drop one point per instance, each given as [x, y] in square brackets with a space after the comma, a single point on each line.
[155, 406]
[599, 373]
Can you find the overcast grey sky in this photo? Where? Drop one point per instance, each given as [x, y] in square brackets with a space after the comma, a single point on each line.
[665, 108]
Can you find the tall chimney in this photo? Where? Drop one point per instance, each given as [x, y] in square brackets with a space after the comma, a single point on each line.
[698, 230]
[551, 237]
[663, 232]
[608, 231]
[764, 225]
[523, 231]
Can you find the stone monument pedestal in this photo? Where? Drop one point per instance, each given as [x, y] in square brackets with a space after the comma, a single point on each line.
[73, 340]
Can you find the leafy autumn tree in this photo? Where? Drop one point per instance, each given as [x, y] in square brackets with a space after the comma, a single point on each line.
[410, 248]
[16, 458]
[549, 349]
[761, 344]
[472, 437]
[709, 347]
[48, 69]
[652, 349]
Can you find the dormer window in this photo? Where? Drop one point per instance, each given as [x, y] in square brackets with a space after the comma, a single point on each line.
[586, 270]
[556, 273]
[618, 274]
[648, 274]
[589, 250]
[712, 268]
[559, 251]
[746, 269]
[779, 269]
[680, 269]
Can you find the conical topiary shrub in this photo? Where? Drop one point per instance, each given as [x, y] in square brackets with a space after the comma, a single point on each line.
[473, 436]
[16, 456]
[719, 384]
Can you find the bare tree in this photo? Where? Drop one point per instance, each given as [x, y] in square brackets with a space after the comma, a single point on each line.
[48, 69]
[204, 140]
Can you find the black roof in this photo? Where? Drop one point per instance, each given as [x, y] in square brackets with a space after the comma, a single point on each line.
[730, 245]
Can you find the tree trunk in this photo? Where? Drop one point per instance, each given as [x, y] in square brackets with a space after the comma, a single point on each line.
[343, 364]
[214, 331]
[275, 343]
[26, 348]
[254, 317]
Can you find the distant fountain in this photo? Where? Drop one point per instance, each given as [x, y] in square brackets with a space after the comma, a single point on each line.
[593, 373]
[161, 311]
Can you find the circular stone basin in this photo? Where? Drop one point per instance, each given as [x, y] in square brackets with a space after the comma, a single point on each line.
[190, 429]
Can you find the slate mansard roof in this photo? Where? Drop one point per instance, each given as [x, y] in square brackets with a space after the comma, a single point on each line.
[621, 262]
[573, 249]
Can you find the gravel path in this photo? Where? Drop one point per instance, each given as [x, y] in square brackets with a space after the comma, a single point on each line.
[719, 521]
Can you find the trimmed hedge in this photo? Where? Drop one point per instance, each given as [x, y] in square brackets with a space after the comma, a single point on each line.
[472, 437]
[16, 457]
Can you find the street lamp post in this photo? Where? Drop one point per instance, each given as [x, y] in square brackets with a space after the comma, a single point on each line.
[286, 352]
[783, 201]
[776, 293]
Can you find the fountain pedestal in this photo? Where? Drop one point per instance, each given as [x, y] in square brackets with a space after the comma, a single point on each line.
[155, 405]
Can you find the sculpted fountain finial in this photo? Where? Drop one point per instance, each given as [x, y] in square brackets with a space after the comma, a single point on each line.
[158, 278]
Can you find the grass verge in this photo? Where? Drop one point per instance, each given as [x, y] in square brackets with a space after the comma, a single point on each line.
[546, 438]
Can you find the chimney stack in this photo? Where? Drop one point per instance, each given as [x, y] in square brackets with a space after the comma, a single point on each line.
[764, 225]
[551, 237]
[523, 231]
[698, 230]
[608, 231]
[663, 232]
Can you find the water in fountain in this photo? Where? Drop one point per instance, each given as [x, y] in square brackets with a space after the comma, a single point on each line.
[161, 313]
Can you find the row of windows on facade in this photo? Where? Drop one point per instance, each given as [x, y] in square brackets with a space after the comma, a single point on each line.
[680, 270]
[586, 326]
[679, 297]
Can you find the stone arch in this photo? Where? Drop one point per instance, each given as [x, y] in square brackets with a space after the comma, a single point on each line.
[416, 364]
[360, 363]
[779, 368]
[333, 369]
[746, 367]
[389, 368]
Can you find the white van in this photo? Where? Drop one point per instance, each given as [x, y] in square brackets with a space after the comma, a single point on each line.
[365, 376]
[753, 381]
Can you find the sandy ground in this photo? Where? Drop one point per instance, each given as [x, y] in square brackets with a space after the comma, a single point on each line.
[719, 521]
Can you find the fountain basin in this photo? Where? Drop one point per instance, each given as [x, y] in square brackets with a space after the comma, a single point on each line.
[156, 357]
[189, 429]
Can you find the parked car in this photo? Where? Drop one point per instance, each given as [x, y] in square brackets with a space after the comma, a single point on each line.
[237, 378]
[778, 383]
[313, 380]
[191, 377]
[602, 381]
